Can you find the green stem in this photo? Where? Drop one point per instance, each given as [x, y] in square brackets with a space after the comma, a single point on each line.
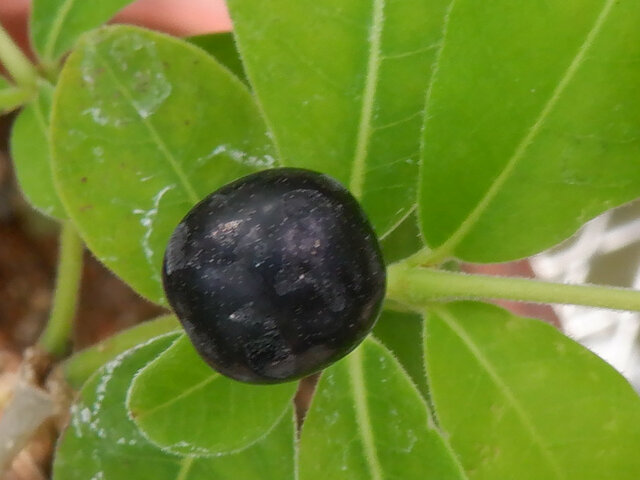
[16, 63]
[418, 287]
[50, 71]
[55, 337]
[14, 97]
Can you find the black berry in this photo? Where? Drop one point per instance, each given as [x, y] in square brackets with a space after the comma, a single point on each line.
[275, 276]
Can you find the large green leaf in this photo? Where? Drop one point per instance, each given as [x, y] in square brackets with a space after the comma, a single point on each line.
[101, 441]
[368, 421]
[31, 155]
[137, 142]
[343, 86]
[81, 365]
[520, 400]
[57, 24]
[532, 124]
[186, 407]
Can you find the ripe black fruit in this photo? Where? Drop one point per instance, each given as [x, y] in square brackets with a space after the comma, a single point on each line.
[275, 275]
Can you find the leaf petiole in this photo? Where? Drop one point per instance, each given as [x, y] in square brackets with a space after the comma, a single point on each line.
[55, 337]
[17, 64]
[417, 287]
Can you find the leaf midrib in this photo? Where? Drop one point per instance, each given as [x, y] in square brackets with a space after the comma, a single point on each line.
[363, 419]
[447, 248]
[185, 467]
[177, 398]
[356, 184]
[529, 426]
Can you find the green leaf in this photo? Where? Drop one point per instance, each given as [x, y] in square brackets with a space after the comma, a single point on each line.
[368, 421]
[222, 47]
[101, 441]
[57, 24]
[137, 142]
[81, 365]
[532, 125]
[186, 407]
[403, 241]
[343, 86]
[31, 154]
[401, 333]
[520, 400]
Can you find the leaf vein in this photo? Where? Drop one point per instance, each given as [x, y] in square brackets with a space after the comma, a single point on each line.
[394, 56]
[391, 163]
[395, 123]
[311, 67]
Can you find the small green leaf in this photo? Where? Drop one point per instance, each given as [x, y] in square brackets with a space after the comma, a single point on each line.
[31, 154]
[57, 24]
[101, 441]
[520, 400]
[12, 97]
[368, 421]
[222, 47]
[401, 333]
[343, 86]
[532, 125]
[81, 365]
[137, 143]
[186, 407]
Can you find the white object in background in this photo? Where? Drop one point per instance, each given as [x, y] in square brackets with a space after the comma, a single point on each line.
[613, 335]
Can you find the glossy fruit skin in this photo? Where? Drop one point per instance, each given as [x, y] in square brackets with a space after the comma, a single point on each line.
[275, 275]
